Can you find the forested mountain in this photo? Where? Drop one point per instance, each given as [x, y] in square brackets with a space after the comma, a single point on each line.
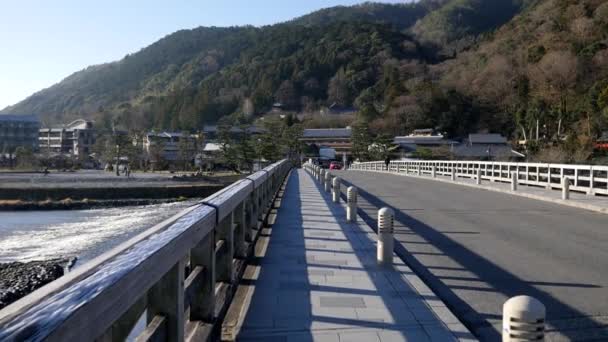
[458, 65]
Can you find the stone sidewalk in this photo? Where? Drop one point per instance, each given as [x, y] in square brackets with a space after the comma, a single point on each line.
[317, 280]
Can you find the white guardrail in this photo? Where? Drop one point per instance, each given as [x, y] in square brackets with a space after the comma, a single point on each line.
[591, 179]
[181, 272]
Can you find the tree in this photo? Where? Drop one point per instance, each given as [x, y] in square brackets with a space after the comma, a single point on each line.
[555, 78]
[185, 149]
[25, 158]
[382, 147]
[361, 141]
[338, 91]
[229, 153]
[286, 94]
[292, 137]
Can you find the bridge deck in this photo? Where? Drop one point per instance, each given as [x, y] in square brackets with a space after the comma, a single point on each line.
[476, 248]
[318, 280]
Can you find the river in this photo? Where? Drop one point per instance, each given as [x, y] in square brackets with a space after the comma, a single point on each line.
[85, 234]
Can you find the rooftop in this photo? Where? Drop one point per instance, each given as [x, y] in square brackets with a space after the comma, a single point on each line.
[491, 138]
[327, 133]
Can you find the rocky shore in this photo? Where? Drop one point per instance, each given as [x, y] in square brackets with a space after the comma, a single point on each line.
[18, 279]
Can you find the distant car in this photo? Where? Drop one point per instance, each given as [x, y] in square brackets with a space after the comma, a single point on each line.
[335, 166]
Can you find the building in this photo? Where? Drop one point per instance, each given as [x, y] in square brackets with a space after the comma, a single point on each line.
[601, 144]
[170, 147]
[422, 139]
[74, 139]
[18, 130]
[212, 132]
[340, 139]
[486, 147]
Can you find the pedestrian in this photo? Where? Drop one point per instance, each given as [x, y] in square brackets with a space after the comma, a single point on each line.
[387, 162]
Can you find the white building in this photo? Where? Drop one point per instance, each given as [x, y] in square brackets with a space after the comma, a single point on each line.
[75, 139]
[170, 146]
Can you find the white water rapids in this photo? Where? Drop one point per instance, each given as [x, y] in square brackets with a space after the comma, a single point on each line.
[85, 234]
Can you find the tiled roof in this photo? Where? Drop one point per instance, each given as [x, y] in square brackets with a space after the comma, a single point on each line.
[327, 133]
[423, 140]
[487, 139]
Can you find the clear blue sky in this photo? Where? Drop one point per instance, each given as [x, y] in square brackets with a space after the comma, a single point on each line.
[43, 41]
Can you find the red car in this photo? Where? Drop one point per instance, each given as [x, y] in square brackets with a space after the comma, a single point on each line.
[335, 166]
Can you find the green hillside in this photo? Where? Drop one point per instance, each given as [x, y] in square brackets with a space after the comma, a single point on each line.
[458, 65]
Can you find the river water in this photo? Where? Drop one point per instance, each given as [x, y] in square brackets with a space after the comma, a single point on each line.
[85, 234]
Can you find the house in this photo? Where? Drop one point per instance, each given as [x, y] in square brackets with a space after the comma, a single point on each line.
[170, 147]
[486, 147]
[602, 142]
[421, 139]
[74, 139]
[339, 139]
[18, 130]
[209, 156]
[212, 132]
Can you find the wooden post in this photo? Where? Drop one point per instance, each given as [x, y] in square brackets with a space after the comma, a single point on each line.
[202, 308]
[166, 298]
[225, 254]
[239, 219]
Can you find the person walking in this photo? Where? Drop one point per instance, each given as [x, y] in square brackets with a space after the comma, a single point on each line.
[387, 162]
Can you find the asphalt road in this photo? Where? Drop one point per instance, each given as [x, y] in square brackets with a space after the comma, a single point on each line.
[478, 248]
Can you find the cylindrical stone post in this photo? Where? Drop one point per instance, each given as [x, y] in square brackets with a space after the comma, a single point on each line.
[523, 319]
[385, 246]
[327, 182]
[478, 179]
[565, 188]
[514, 181]
[351, 208]
[336, 190]
[453, 177]
[322, 175]
[419, 170]
[434, 171]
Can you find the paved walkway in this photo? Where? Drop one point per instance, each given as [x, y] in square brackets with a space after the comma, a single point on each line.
[319, 281]
[476, 248]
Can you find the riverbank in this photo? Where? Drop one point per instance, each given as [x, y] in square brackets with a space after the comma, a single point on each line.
[18, 279]
[98, 189]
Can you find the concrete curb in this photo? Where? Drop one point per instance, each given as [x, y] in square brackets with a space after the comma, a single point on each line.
[569, 203]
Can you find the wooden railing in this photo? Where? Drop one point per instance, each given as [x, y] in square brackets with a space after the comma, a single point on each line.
[591, 179]
[181, 273]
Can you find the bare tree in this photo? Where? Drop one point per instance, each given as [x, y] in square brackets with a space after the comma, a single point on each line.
[555, 78]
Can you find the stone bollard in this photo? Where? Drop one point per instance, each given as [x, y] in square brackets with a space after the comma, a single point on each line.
[419, 170]
[322, 174]
[514, 181]
[327, 182]
[523, 319]
[351, 208]
[453, 177]
[385, 236]
[565, 188]
[434, 171]
[336, 189]
[478, 179]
